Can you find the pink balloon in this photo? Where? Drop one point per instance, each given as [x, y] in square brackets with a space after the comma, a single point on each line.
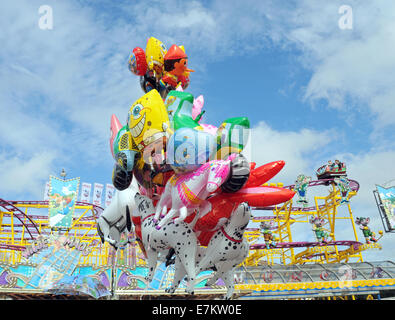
[209, 128]
[197, 106]
[185, 192]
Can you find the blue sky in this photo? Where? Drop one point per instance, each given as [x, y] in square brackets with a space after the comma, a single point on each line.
[311, 90]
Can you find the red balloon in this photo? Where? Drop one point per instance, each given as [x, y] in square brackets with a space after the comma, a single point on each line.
[138, 62]
[262, 174]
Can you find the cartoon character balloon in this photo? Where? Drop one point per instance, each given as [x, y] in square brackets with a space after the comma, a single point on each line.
[186, 192]
[176, 68]
[138, 147]
[149, 65]
[159, 68]
[179, 106]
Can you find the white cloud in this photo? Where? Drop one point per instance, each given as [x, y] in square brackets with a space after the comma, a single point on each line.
[60, 86]
[302, 151]
[369, 169]
[20, 177]
[351, 69]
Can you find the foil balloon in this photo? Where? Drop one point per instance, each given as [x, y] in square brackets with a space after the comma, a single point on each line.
[188, 191]
[197, 112]
[155, 52]
[122, 145]
[197, 107]
[149, 126]
[137, 62]
[115, 127]
[232, 136]
[154, 58]
[209, 128]
[222, 204]
[148, 119]
[176, 68]
[179, 106]
[188, 149]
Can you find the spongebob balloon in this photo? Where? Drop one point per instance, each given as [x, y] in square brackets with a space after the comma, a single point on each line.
[138, 147]
[148, 119]
[149, 125]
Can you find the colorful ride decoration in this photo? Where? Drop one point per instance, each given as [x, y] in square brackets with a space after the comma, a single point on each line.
[344, 186]
[367, 232]
[129, 260]
[320, 233]
[292, 219]
[267, 234]
[62, 199]
[301, 184]
[331, 170]
[385, 200]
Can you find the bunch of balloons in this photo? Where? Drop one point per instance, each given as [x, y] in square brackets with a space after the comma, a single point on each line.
[159, 68]
[191, 170]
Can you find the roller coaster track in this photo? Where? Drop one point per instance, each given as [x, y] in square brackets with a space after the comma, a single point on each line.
[96, 209]
[282, 245]
[12, 247]
[20, 215]
[354, 246]
[30, 225]
[354, 185]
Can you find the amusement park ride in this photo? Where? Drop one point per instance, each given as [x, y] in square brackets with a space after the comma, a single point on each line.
[103, 252]
[274, 261]
[329, 250]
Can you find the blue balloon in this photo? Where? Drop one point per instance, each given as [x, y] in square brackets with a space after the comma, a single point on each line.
[187, 149]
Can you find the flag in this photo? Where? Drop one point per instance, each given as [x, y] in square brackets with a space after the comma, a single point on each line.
[86, 192]
[46, 192]
[97, 194]
[62, 198]
[110, 192]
